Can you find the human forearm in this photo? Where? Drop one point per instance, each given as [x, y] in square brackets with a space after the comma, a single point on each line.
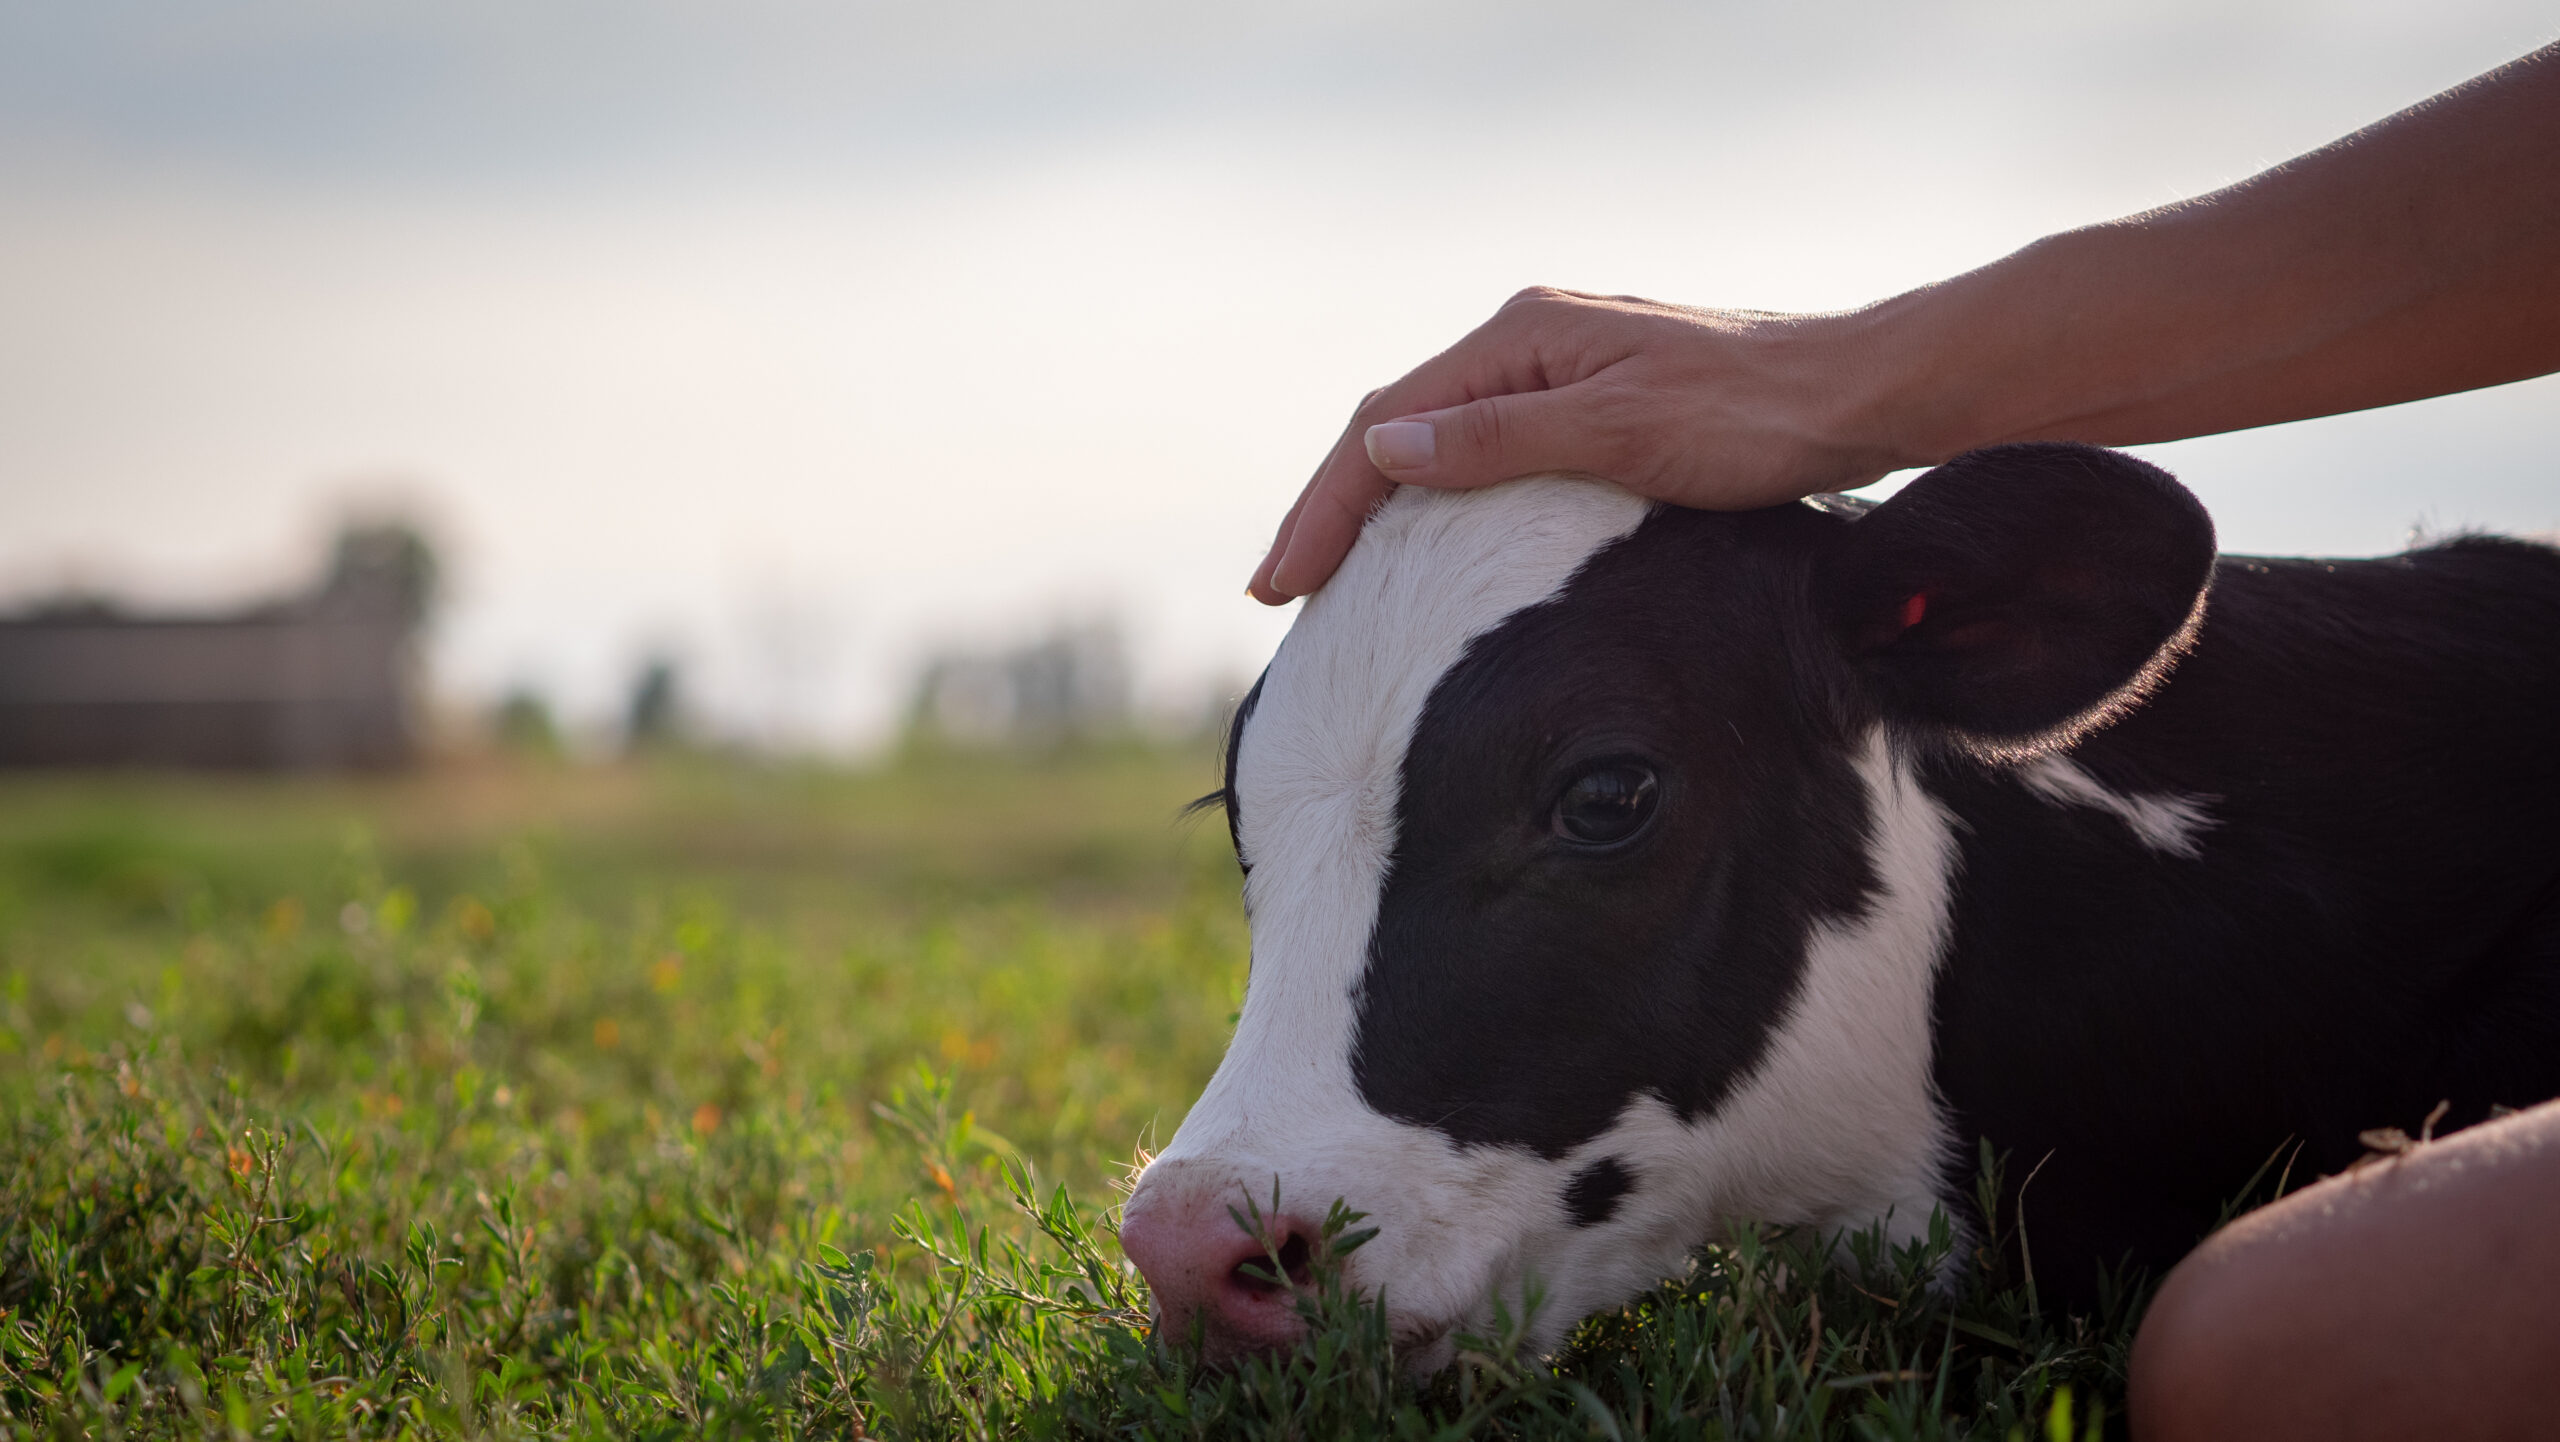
[2418, 257]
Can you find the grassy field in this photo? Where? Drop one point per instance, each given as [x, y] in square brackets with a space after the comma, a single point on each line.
[705, 1099]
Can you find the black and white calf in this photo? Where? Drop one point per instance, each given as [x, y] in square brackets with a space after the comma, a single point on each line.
[1617, 872]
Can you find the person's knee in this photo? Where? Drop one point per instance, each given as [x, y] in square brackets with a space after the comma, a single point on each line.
[2209, 1356]
[2419, 1297]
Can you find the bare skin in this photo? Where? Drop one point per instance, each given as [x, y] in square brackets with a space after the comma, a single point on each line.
[2417, 1296]
[2413, 258]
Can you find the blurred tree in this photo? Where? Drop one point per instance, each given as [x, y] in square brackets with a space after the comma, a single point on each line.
[523, 724]
[655, 717]
[384, 570]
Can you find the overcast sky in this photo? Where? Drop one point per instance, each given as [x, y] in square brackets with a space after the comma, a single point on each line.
[794, 338]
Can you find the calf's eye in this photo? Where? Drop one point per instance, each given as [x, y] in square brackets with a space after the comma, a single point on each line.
[1606, 804]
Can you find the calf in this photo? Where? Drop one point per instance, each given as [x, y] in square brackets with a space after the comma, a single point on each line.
[1617, 872]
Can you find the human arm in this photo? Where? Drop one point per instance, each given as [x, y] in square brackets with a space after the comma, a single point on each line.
[2414, 258]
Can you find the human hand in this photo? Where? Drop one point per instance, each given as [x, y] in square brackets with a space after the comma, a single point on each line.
[1725, 410]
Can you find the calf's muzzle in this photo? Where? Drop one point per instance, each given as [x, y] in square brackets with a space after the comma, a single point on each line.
[1211, 1273]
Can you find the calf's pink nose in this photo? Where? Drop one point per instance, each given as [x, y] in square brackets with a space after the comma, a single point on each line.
[1209, 1273]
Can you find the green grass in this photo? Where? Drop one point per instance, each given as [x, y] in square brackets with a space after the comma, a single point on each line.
[706, 1099]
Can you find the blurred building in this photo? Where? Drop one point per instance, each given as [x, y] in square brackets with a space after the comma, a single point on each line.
[326, 679]
[1067, 686]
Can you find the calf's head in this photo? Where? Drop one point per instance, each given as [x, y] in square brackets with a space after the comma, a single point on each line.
[1594, 905]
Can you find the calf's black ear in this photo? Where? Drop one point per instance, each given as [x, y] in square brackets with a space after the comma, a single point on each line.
[2017, 597]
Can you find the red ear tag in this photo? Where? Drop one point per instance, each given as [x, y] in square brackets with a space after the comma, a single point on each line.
[1914, 609]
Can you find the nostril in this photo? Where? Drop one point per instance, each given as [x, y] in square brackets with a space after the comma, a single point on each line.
[1226, 1278]
[1290, 1263]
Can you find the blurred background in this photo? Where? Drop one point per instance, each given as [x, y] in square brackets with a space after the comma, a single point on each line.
[796, 376]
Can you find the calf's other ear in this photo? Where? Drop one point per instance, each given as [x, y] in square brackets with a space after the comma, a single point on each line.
[2019, 596]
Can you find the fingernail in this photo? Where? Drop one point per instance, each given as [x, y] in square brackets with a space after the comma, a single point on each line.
[1271, 583]
[1400, 445]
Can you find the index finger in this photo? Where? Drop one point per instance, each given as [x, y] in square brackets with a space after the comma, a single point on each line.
[1260, 587]
[1337, 503]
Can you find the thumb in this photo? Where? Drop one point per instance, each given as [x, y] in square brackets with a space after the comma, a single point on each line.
[1494, 439]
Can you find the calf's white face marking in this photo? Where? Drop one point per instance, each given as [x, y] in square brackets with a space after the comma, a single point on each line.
[1835, 1123]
